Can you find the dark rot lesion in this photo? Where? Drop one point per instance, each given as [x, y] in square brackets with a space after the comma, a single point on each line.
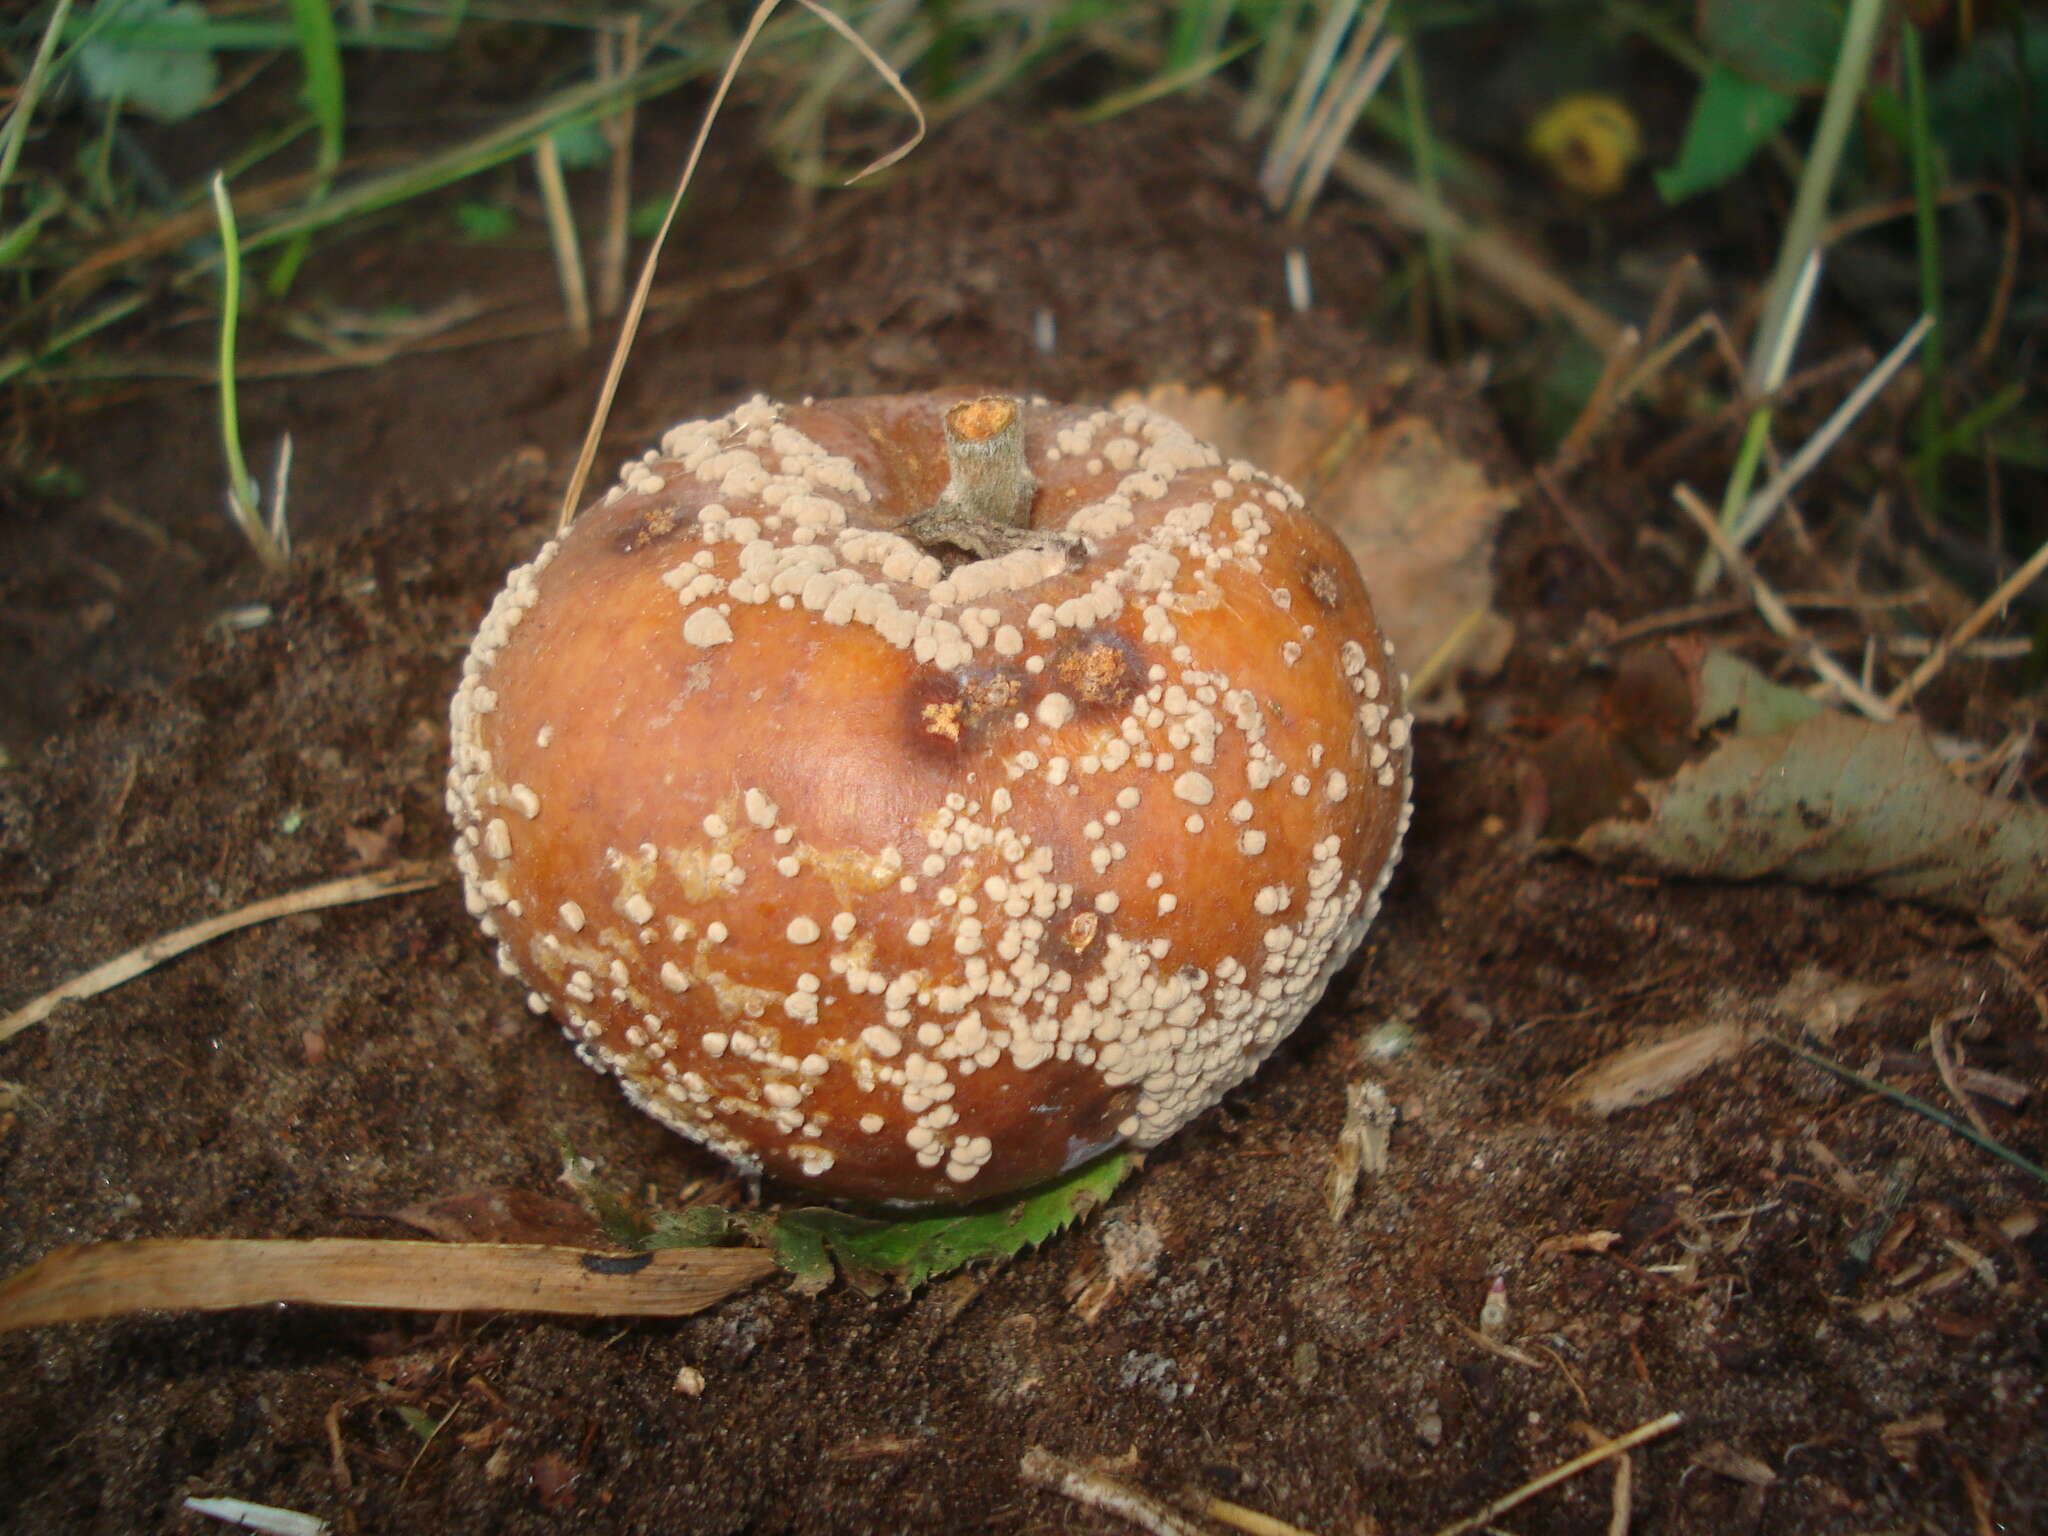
[1099, 670]
[958, 712]
[1324, 585]
[655, 521]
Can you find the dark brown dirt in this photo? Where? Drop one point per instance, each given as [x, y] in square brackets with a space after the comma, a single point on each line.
[298, 1078]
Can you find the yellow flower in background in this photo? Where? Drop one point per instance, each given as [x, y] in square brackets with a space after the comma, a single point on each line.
[1588, 142]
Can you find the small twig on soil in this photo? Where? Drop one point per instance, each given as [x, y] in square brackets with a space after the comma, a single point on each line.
[415, 875]
[1045, 1469]
[1775, 612]
[1237, 1516]
[1945, 1064]
[1570, 1469]
[93, 1281]
[1624, 1483]
[1967, 631]
[1495, 1347]
[1996, 1148]
[2016, 1227]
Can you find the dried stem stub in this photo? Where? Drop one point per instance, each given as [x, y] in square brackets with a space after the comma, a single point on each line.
[985, 508]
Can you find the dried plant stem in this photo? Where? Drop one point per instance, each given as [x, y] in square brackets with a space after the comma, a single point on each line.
[630, 327]
[1485, 252]
[1945, 1064]
[1758, 512]
[619, 57]
[395, 881]
[100, 1280]
[554, 196]
[1775, 613]
[1570, 1469]
[1243, 1519]
[1964, 633]
[1097, 1490]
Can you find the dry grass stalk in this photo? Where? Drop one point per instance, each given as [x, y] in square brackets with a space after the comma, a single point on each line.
[1776, 614]
[1964, 633]
[415, 875]
[1761, 507]
[1564, 1473]
[93, 1281]
[630, 327]
[1945, 1063]
[1097, 1490]
[1624, 1483]
[618, 57]
[554, 196]
[1243, 1519]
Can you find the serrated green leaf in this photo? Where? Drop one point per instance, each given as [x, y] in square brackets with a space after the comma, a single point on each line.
[1732, 118]
[800, 1248]
[873, 1254]
[164, 83]
[695, 1226]
[1787, 44]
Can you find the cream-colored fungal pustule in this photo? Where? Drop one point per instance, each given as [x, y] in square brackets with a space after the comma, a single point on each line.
[912, 797]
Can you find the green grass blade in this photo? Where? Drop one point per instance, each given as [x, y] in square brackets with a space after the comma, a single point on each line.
[14, 132]
[320, 56]
[271, 543]
[241, 489]
[578, 104]
[1810, 207]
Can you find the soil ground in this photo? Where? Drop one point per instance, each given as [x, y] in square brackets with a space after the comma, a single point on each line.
[306, 1077]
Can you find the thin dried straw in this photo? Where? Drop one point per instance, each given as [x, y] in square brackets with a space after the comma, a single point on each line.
[415, 875]
[1774, 611]
[1767, 501]
[1564, 1473]
[631, 326]
[92, 1281]
[1243, 1519]
[1098, 1490]
[1964, 633]
[554, 194]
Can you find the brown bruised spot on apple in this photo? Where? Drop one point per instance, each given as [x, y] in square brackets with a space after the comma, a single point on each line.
[912, 797]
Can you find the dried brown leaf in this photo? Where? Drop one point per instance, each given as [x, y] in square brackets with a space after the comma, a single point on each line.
[1420, 518]
[1639, 1074]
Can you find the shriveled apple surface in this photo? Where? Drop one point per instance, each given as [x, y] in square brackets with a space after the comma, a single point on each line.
[1213, 1328]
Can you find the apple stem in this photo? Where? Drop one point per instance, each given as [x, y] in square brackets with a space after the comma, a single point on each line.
[985, 508]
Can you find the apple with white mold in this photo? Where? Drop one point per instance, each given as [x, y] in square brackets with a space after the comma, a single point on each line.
[912, 797]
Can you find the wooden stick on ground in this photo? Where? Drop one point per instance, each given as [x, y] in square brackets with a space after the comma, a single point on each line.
[92, 1281]
[415, 875]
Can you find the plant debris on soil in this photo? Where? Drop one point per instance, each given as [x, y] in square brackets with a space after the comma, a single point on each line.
[1841, 1300]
